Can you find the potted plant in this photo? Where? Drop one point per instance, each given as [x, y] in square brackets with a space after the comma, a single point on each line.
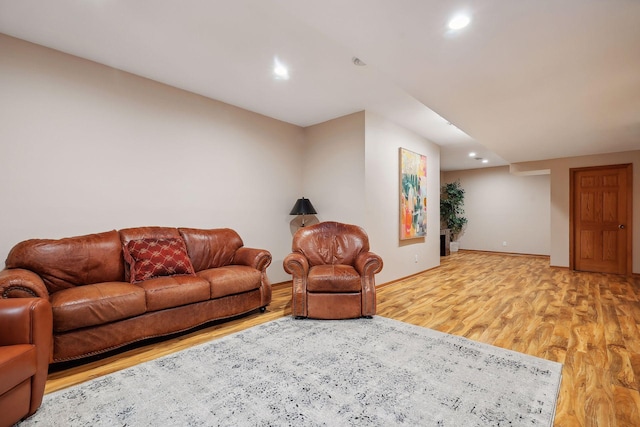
[451, 210]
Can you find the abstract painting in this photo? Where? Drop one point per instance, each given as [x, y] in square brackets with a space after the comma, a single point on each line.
[413, 195]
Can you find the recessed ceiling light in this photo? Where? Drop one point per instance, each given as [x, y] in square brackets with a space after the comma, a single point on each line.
[485, 161]
[472, 154]
[280, 71]
[459, 21]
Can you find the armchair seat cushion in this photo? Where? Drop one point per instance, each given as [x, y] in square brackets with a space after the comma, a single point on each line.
[333, 278]
[17, 363]
[96, 304]
[174, 291]
[231, 280]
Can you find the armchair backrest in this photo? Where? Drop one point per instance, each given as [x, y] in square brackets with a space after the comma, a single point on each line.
[330, 243]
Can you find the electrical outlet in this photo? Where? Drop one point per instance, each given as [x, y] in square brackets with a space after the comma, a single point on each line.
[504, 243]
[416, 258]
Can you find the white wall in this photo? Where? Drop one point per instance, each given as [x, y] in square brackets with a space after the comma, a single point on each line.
[560, 191]
[333, 172]
[351, 174]
[501, 207]
[383, 141]
[86, 148]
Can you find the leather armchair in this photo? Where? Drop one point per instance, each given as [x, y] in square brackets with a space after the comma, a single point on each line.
[25, 351]
[333, 272]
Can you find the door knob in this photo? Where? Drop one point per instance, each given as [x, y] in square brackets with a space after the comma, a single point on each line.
[621, 226]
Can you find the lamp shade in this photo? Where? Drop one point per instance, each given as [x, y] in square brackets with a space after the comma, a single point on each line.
[303, 207]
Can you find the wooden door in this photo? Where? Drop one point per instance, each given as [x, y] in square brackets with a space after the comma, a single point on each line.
[601, 219]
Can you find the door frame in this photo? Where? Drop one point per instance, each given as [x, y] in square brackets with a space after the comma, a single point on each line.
[629, 226]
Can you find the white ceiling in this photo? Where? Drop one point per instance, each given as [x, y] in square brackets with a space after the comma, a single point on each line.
[527, 80]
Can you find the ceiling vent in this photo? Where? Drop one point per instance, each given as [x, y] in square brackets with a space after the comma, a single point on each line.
[357, 61]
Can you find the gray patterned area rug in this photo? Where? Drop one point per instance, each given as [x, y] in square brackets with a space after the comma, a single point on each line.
[361, 372]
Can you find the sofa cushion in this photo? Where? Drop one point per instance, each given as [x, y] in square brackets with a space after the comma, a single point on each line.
[152, 257]
[232, 279]
[72, 261]
[211, 248]
[96, 304]
[174, 291]
[333, 278]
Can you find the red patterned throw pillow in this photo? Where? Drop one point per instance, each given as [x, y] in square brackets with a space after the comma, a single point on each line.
[149, 258]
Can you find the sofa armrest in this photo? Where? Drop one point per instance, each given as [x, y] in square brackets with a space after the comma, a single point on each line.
[26, 321]
[29, 321]
[368, 264]
[256, 258]
[21, 283]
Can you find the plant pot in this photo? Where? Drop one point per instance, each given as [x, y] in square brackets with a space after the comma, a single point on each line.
[454, 246]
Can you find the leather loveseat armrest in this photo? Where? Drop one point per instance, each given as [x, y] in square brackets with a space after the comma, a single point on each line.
[368, 264]
[26, 321]
[21, 283]
[29, 321]
[256, 258]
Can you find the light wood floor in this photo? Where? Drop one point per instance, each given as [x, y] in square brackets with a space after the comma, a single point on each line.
[589, 322]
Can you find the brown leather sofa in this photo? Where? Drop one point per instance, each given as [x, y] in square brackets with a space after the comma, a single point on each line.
[118, 287]
[333, 272]
[25, 349]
